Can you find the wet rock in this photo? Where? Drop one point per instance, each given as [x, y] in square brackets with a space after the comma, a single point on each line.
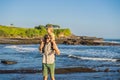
[8, 62]
[118, 70]
[72, 41]
[107, 70]
[73, 70]
[118, 60]
[76, 40]
[57, 71]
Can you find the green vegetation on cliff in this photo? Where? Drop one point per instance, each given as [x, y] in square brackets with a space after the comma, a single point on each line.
[38, 31]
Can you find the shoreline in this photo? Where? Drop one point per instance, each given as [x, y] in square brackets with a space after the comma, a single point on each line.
[66, 41]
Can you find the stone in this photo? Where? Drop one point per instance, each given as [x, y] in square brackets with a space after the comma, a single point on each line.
[118, 70]
[107, 70]
[8, 62]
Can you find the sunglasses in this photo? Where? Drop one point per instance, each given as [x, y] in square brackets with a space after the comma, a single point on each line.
[47, 38]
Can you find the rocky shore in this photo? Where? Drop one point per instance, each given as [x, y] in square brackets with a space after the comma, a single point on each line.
[74, 40]
[58, 71]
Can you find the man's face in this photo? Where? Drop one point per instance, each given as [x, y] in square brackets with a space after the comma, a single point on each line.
[47, 39]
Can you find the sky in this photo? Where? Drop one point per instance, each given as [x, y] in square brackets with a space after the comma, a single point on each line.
[95, 18]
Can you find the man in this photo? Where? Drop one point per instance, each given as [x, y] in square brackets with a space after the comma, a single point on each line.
[48, 60]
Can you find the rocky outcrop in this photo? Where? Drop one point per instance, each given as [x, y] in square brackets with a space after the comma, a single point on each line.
[58, 70]
[19, 41]
[72, 40]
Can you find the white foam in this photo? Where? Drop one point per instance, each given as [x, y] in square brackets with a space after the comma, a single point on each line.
[112, 41]
[93, 58]
[12, 46]
[21, 49]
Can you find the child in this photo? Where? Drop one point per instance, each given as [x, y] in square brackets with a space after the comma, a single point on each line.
[49, 29]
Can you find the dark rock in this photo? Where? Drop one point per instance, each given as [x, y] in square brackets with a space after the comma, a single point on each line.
[72, 41]
[8, 62]
[118, 70]
[118, 60]
[76, 40]
[57, 71]
[107, 70]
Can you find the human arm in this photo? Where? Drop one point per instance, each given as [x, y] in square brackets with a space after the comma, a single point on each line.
[41, 46]
[57, 51]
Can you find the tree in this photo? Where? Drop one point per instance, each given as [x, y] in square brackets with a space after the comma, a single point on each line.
[11, 24]
[56, 26]
[39, 27]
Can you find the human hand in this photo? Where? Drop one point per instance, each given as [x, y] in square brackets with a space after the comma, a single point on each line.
[41, 40]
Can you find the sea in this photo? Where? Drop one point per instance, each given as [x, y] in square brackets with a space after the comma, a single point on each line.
[96, 57]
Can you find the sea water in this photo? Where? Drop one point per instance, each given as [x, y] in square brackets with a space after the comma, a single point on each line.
[97, 57]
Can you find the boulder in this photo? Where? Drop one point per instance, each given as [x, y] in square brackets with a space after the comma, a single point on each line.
[118, 70]
[107, 70]
[8, 62]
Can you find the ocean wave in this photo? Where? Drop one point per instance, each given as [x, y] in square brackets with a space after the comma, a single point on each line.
[21, 49]
[12, 46]
[93, 58]
[112, 41]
